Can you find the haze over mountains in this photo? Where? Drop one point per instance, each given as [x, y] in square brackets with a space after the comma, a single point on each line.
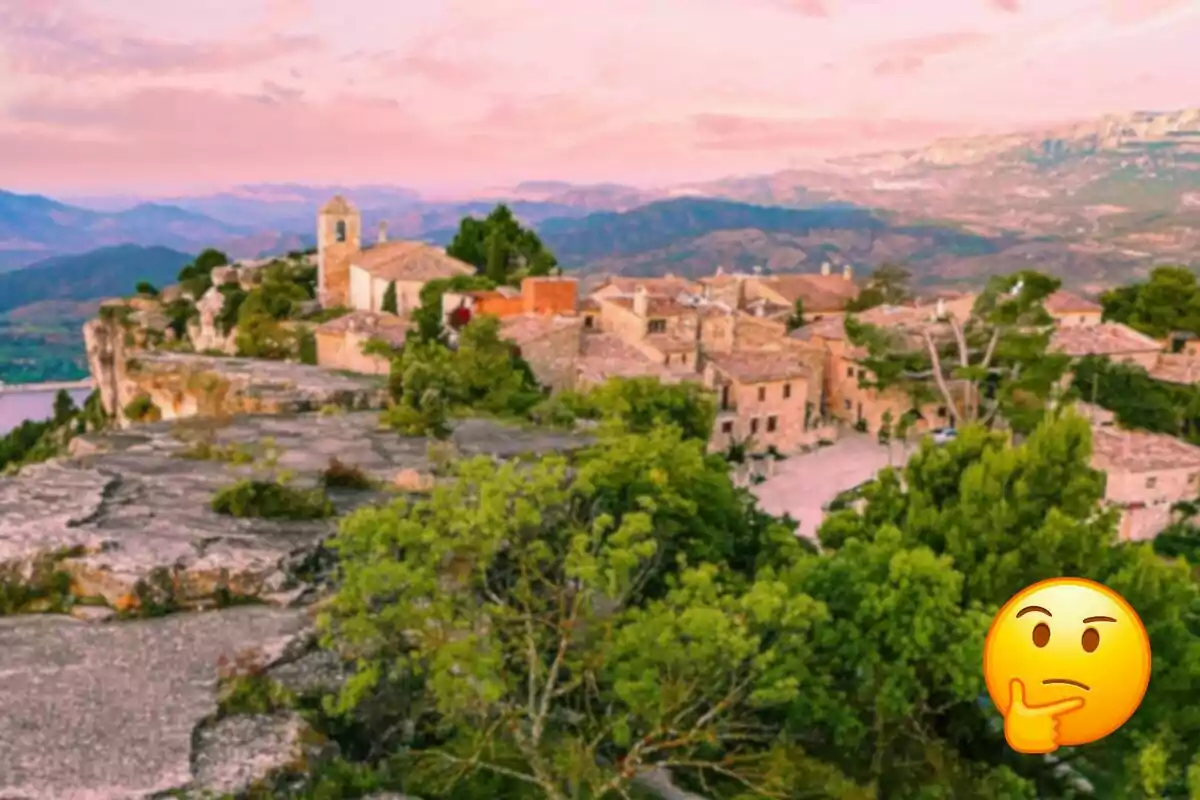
[1096, 202]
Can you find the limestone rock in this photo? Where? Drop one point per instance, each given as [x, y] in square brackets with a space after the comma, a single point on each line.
[242, 752]
[204, 331]
[108, 711]
[410, 480]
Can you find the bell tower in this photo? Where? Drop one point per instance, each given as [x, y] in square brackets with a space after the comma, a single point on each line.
[339, 236]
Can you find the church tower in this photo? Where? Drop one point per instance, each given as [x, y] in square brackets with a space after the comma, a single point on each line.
[339, 235]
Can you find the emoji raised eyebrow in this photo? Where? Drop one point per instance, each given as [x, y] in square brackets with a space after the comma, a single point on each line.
[1095, 619]
[1027, 609]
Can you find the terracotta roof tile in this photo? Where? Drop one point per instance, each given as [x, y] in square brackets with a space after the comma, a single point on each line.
[589, 304]
[819, 293]
[1140, 451]
[656, 306]
[410, 261]
[605, 356]
[666, 343]
[371, 324]
[666, 287]
[759, 367]
[825, 328]
[1063, 302]
[1104, 339]
[524, 328]
[1176, 368]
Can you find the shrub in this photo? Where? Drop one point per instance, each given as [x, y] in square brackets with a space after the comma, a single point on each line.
[344, 476]
[271, 500]
[142, 409]
[389, 304]
[146, 288]
[306, 346]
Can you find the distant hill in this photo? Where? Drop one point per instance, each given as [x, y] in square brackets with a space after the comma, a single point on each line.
[107, 272]
[34, 228]
[693, 236]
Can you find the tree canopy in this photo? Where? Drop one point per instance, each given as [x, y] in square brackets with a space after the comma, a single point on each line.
[888, 285]
[1168, 302]
[500, 248]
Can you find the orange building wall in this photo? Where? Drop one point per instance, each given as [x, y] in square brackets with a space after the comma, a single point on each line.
[549, 295]
[497, 304]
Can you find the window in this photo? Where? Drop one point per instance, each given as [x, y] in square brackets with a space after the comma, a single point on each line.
[1192, 477]
[942, 412]
[772, 424]
[754, 426]
[727, 426]
[1082, 320]
[847, 405]
[725, 397]
[667, 359]
[589, 322]
[762, 393]
[339, 231]
[862, 373]
[683, 358]
[787, 391]
[1151, 482]
[849, 372]
[657, 326]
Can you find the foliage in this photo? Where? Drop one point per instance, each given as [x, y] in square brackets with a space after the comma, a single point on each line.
[34, 441]
[1136, 399]
[796, 320]
[990, 518]
[389, 304]
[146, 288]
[887, 286]
[996, 364]
[232, 298]
[306, 345]
[562, 628]
[64, 407]
[1168, 302]
[271, 500]
[196, 278]
[142, 409]
[500, 248]
[427, 319]
[339, 475]
[429, 380]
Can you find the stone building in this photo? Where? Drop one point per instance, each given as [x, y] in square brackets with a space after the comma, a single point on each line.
[1071, 310]
[540, 295]
[762, 398]
[1146, 474]
[349, 275]
[341, 341]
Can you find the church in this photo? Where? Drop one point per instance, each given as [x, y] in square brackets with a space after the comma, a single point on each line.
[351, 276]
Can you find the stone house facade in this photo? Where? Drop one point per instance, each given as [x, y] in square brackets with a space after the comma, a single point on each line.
[1070, 310]
[762, 399]
[341, 341]
[1146, 474]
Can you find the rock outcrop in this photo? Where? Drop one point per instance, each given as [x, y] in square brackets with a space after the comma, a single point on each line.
[180, 385]
[107, 704]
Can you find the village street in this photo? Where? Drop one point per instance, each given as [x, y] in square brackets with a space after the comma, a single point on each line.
[803, 484]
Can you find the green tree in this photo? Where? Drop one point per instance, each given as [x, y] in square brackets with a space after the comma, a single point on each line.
[796, 320]
[64, 407]
[196, 278]
[146, 288]
[389, 304]
[500, 248]
[888, 285]
[507, 620]
[1003, 517]
[427, 319]
[1168, 302]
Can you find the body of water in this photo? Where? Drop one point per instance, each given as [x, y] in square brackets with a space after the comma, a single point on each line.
[16, 407]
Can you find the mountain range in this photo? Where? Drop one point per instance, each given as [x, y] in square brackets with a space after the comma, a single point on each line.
[1096, 202]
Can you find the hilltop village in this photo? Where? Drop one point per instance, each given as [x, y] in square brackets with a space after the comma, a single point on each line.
[464, 526]
[783, 384]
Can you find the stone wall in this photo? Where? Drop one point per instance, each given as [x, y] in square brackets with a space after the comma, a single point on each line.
[553, 357]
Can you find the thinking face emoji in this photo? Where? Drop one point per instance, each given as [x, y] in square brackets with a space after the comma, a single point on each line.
[1066, 662]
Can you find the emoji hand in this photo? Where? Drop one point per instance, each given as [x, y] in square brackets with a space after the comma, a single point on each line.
[1034, 729]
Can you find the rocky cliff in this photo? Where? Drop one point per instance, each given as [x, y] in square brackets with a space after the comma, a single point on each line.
[124, 588]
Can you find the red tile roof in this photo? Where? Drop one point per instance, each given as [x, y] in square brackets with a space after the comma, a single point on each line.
[1176, 368]
[410, 261]
[819, 293]
[759, 367]
[1064, 302]
[1140, 451]
[524, 328]
[372, 324]
[1104, 339]
[656, 306]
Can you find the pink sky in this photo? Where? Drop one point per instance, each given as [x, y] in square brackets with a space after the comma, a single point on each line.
[154, 96]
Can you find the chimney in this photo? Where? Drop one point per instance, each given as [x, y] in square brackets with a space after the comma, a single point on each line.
[641, 301]
[382, 232]
[940, 312]
[825, 268]
[848, 272]
[670, 276]
[720, 271]
[758, 270]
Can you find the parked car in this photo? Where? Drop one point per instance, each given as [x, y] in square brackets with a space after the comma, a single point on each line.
[943, 435]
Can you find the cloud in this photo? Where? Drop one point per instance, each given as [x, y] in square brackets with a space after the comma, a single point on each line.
[1012, 6]
[733, 132]
[1134, 12]
[63, 40]
[809, 8]
[906, 56]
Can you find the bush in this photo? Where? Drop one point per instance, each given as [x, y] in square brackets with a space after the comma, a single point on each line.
[306, 346]
[142, 409]
[389, 304]
[271, 500]
[146, 288]
[344, 476]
